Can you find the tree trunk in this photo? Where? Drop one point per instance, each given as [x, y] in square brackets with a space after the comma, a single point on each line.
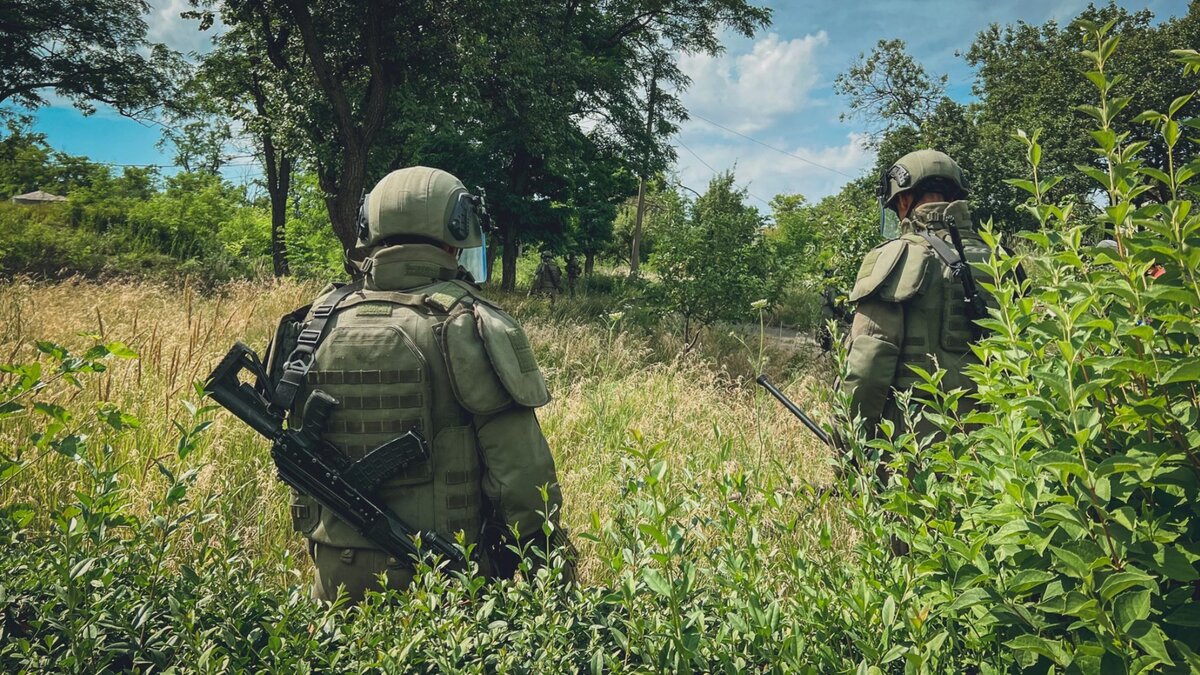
[518, 178]
[279, 185]
[589, 263]
[343, 187]
[635, 251]
[509, 280]
[492, 251]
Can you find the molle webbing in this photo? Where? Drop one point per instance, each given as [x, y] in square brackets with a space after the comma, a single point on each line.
[384, 402]
[360, 427]
[327, 377]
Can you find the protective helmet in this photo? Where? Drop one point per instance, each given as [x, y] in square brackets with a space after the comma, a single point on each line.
[423, 203]
[547, 255]
[919, 169]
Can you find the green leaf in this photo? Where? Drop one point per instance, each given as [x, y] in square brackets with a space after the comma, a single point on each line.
[1061, 461]
[1187, 371]
[1173, 563]
[119, 350]
[1051, 649]
[1120, 581]
[1150, 638]
[1070, 563]
[656, 582]
[1027, 580]
[1131, 606]
[1187, 615]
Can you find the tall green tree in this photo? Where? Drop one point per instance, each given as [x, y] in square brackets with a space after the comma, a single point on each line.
[715, 264]
[89, 51]
[352, 66]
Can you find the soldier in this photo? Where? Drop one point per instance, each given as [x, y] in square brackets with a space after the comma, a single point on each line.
[548, 278]
[573, 271]
[913, 305]
[412, 345]
[833, 308]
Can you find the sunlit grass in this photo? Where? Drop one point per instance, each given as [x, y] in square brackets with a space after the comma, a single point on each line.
[608, 381]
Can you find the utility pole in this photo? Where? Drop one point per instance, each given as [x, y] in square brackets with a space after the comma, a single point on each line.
[636, 252]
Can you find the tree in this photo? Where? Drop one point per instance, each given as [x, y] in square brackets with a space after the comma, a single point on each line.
[890, 87]
[85, 50]
[351, 67]
[716, 263]
[235, 81]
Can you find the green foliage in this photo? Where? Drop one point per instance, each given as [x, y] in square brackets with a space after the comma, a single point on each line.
[716, 263]
[1053, 528]
[313, 250]
[88, 51]
[832, 234]
[1057, 523]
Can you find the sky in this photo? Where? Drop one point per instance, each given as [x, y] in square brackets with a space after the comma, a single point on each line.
[775, 89]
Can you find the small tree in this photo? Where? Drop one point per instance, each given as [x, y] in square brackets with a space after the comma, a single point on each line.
[715, 263]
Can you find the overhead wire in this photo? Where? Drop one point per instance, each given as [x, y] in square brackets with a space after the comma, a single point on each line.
[714, 171]
[771, 147]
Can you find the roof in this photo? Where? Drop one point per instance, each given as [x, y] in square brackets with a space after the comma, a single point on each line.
[37, 196]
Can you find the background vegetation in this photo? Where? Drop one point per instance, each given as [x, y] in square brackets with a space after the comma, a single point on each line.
[1052, 529]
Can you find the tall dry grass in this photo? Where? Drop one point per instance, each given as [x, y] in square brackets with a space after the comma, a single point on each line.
[608, 382]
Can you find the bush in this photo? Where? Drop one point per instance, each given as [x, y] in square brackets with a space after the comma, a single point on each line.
[1058, 523]
[715, 265]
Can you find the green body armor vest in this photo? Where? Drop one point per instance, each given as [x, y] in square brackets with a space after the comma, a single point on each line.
[407, 352]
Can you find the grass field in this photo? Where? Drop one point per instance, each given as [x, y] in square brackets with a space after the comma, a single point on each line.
[608, 383]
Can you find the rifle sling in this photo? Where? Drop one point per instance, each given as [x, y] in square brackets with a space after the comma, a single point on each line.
[300, 361]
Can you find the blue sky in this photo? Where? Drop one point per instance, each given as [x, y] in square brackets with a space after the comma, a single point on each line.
[775, 88]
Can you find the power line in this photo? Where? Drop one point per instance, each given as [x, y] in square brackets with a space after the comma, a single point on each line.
[701, 160]
[771, 147]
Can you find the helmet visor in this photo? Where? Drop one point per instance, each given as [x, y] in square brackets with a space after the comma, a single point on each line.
[889, 222]
[474, 260]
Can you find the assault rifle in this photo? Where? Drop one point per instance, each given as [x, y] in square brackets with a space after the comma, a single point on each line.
[795, 410]
[314, 467]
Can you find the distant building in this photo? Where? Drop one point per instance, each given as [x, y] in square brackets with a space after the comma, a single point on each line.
[37, 197]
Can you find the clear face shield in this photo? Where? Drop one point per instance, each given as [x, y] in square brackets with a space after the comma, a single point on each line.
[889, 222]
[471, 216]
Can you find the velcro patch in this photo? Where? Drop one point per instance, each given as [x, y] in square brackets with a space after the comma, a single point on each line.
[374, 309]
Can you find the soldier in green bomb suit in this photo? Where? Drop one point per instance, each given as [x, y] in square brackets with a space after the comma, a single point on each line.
[912, 309]
[548, 278]
[415, 346]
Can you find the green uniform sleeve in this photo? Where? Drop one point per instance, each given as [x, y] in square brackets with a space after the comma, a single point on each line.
[875, 339]
[517, 462]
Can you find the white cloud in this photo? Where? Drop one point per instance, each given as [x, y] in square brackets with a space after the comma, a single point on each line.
[168, 27]
[767, 172]
[749, 91]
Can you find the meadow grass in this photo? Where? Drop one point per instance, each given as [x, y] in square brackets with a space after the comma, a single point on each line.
[610, 383]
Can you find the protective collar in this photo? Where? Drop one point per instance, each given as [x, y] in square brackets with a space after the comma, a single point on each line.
[407, 266]
[932, 216]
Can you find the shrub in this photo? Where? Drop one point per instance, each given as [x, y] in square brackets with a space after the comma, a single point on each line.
[1058, 522]
[716, 264]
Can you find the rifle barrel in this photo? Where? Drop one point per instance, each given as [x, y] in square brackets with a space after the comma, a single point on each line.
[795, 410]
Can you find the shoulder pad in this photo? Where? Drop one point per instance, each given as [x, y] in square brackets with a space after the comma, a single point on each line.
[892, 271]
[447, 294]
[490, 360]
